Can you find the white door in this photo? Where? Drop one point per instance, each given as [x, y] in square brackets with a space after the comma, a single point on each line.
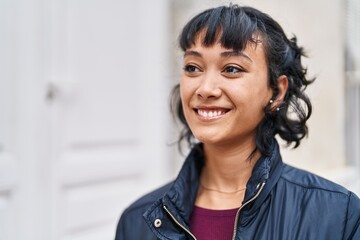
[8, 162]
[18, 193]
[108, 91]
[83, 114]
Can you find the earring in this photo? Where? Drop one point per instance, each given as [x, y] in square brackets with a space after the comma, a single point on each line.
[271, 101]
[277, 109]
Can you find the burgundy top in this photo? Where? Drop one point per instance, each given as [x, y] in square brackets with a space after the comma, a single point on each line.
[207, 224]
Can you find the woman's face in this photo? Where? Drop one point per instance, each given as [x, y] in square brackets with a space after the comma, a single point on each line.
[224, 92]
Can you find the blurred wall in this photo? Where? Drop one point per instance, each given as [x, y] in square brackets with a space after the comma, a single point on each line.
[84, 119]
[83, 114]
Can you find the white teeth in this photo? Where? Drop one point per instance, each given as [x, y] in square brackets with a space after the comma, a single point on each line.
[209, 114]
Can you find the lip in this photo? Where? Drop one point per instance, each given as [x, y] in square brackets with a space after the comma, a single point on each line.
[210, 113]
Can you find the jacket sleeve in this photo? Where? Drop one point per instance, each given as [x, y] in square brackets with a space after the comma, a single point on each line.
[352, 228]
[120, 230]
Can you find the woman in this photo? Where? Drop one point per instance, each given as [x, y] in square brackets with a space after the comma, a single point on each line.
[242, 84]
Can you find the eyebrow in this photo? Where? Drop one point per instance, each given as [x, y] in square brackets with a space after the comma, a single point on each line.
[236, 54]
[192, 53]
[223, 54]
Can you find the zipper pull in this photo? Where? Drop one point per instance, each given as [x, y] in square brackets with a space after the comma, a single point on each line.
[178, 223]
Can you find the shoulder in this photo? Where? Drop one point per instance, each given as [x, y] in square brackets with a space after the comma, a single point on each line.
[324, 198]
[311, 181]
[131, 224]
[327, 194]
[147, 200]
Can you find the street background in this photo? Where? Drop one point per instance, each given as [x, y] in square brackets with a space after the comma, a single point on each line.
[85, 125]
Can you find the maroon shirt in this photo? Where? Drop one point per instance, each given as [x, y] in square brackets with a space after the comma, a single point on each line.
[207, 224]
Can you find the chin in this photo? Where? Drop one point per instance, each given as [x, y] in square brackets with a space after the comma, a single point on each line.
[209, 139]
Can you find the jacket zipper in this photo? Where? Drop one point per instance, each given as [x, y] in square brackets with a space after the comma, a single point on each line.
[243, 205]
[236, 218]
[179, 224]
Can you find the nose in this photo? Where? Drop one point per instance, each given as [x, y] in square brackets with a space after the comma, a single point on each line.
[209, 87]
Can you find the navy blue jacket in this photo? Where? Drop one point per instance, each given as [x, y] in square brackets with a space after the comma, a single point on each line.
[281, 202]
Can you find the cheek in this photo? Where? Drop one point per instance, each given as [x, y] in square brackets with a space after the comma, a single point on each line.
[250, 98]
[182, 92]
[260, 90]
[185, 97]
[186, 90]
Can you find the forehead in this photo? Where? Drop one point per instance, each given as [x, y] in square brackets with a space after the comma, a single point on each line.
[255, 48]
[201, 38]
[232, 33]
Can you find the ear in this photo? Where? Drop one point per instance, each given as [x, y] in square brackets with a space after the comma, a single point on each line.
[282, 85]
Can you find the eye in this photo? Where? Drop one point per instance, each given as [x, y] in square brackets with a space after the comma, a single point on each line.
[191, 68]
[232, 70]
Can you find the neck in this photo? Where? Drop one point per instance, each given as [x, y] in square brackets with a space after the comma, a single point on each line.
[228, 169]
[224, 176]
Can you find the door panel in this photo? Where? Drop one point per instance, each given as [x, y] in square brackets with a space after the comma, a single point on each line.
[100, 137]
[9, 172]
[7, 189]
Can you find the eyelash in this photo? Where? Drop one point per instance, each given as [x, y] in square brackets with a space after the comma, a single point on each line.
[237, 70]
[191, 68]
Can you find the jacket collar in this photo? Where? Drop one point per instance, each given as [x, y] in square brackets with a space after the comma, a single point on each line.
[181, 196]
[184, 190]
[267, 170]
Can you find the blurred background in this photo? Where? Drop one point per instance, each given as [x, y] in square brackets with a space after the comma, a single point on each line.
[85, 126]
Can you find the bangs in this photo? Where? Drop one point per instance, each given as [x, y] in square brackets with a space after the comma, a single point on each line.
[231, 26]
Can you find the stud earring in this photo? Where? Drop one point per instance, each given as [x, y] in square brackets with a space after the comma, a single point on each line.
[277, 109]
[271, 101]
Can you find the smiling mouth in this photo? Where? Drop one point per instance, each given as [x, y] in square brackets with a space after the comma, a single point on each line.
[211, 113]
